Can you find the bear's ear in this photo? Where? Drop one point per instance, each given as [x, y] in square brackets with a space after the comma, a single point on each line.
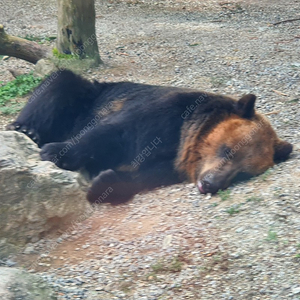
[245, 106]
[282, 150]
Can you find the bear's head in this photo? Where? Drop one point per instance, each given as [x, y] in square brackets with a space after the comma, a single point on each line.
[242, 145]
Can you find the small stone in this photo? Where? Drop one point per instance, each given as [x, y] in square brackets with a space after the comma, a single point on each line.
[196, 203]
[167, 241]
[10, 263]
[34, 239]
[240, 229]
[296, 290]
[29, 250]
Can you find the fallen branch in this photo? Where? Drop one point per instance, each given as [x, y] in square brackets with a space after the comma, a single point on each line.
[286, 21]
[275, 112]
[21, 48]
[279, 93]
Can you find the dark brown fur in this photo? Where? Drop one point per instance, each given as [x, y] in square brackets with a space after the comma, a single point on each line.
[104, 127]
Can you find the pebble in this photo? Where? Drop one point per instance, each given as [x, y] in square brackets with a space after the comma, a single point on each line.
[295, 290]
[29, 250]
[10, 263]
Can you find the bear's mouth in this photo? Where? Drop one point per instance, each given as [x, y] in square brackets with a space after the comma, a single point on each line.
[200, 187]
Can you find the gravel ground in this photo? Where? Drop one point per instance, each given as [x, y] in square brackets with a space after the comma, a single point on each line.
[173, 243]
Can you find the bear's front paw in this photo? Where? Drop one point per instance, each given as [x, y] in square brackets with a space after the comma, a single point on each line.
[30, 132]
[63, 155]
[108, 187]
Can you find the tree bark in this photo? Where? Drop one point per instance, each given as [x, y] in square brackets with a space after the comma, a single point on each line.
[21, 48]
[76, 29]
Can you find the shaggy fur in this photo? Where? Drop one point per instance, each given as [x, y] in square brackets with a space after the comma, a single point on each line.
[132, 137]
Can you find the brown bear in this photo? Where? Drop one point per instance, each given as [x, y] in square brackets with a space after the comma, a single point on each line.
[132, 137]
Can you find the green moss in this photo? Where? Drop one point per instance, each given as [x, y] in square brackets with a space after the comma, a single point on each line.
[59, 55]
[39, 39]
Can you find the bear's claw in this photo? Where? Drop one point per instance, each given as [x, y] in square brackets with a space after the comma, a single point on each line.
[30, 132]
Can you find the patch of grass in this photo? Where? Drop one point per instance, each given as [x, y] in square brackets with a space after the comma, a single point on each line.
[265, 175]
[218, 262]
[194, 44]
[39, 39]
[214, 204]
[18, 87]
[59, 55]
[297, 255]
[11, 108]
[293, 100]
[170, 266]
[224, 195]
[254, 199]
[158, 267]
[233, 209]
[176, 265]
[298, 246]
[272, 236]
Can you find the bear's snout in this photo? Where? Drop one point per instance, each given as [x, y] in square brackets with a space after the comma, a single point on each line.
[208, 185]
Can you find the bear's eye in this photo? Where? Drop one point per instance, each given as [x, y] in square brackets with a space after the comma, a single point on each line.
[225, 151]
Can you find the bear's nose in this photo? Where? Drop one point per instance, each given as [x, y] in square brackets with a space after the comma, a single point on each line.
[207, 186]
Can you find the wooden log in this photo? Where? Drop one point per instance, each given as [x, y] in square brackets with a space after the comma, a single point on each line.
[21, 48]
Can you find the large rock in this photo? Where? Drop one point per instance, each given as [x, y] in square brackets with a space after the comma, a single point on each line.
[35, 195]
[44, 67]
[18, 284]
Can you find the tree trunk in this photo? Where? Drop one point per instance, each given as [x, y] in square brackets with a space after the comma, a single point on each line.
[76, 29]
[21, 48]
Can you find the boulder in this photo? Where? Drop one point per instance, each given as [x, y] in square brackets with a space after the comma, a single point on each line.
[44, 67]
[36, 196]
[18, 284]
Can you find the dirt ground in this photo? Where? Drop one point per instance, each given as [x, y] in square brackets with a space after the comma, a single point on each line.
[173, 243]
